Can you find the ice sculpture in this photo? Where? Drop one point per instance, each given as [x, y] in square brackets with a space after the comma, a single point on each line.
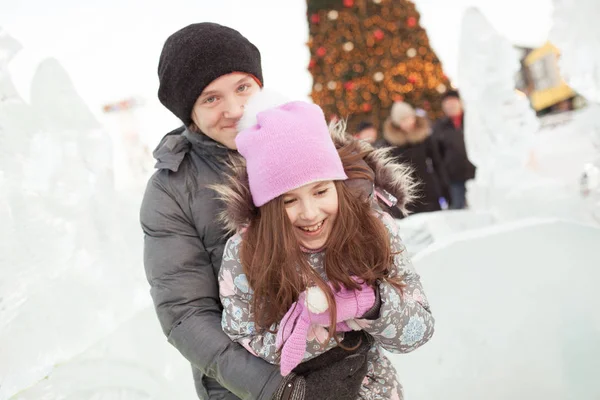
[500, 124]
[576, 33]
[513, 319]
[70, 246]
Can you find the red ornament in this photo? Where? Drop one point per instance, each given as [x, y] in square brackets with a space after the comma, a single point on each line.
[315, 18]
[412, 79]
[366, 107]
[378, 34]
[411, 22]
[312, 63]
[321, 51]
[349, 85]
[348, 3]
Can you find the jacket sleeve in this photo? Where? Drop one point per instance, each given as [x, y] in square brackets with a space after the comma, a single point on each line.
[405, 321]
[184, 289]
[238, 318]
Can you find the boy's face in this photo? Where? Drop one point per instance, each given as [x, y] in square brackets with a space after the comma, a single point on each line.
[221, 105]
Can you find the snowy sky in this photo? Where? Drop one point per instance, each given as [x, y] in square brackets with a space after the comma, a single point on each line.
[111, 48]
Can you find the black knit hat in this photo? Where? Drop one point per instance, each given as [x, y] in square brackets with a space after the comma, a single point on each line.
[195, 56]
[451, 93]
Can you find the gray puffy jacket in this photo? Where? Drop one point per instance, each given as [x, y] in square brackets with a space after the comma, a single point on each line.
[183, 245]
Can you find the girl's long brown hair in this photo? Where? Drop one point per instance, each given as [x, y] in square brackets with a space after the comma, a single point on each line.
[358, 245]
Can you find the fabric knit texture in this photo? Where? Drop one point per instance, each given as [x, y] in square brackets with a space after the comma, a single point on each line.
[195, 56]
[295, 325]
[401, 110]
[290, 146]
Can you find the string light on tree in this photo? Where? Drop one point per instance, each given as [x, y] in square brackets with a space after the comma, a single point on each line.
[368, 54]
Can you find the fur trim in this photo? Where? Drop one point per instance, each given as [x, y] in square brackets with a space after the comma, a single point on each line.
[235, 193]
[396, 136]
[395, 178]
[389, 175]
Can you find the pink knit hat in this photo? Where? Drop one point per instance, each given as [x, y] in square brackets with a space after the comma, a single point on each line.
[288, 147]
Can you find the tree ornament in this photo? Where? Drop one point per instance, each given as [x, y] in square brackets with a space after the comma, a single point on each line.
[378, 34]
[318, 87]
[348, 3]
[333, 15]
[312, 63]
[315, 18]
[378, 76]
[331, 85]
[411, 52]
[321, 51]
[441, 88]
[348, 46]
[366, 107]
[411, 22]
[349, 85]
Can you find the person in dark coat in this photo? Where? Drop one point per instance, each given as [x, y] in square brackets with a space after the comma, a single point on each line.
[409, 136]
[207, 72]
[449, 135]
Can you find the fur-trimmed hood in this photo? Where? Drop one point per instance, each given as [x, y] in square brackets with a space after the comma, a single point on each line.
[396, 136]
[394, 178]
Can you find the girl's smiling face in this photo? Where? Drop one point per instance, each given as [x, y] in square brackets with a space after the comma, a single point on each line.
[312, 210]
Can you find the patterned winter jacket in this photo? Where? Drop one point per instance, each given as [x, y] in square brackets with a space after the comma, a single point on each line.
[405, 321]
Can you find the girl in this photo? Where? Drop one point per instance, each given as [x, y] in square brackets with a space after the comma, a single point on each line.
[301, 226]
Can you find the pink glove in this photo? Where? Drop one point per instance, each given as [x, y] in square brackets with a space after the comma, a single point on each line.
[349, 304]
[293, 328]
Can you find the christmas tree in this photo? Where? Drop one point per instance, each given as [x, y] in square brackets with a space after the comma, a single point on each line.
[366, 54]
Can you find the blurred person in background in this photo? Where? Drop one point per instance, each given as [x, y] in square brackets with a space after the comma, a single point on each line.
[408, 134]
[207, 72]
[449, 135]
[366, 131]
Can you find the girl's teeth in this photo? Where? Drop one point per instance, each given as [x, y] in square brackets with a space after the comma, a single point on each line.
[313, 228]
